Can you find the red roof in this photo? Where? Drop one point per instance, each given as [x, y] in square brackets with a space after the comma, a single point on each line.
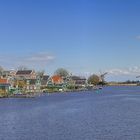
[3, 81]
[57, 79]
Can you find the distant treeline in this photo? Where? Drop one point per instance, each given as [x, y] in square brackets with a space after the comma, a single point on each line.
[130, 82]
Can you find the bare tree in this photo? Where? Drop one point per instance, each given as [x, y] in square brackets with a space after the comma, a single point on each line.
[1, 70]
[61, 72]
[22, 68]
[40, 74]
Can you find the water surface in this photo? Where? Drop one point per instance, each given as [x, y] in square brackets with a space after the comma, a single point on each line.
[109, 114]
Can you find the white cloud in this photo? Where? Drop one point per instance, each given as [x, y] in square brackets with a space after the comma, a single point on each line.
[132, 71]
[41, 57]
[38, 60]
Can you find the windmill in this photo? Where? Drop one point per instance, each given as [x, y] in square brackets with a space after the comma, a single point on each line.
[102, 77]
[138, 84]
[138, 76]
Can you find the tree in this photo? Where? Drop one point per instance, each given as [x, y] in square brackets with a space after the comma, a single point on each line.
[22, 68]
[19, 83]
[94, 79]
[40, 74]
[1, 70]
[61, 72]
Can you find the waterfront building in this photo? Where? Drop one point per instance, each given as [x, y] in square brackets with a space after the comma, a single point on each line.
[55, 80]
[78, 81]
[27, 80]
[26, 74]
[44, 80]
[4, 87]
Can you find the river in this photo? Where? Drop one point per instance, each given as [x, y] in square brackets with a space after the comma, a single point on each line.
[112, 113]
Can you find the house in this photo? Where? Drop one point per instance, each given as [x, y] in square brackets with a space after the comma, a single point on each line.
[26, 74]
[28, 79]
[55, 80]
[44, 80]
[78, 81]
[4, 87]
[32, 85]
[6, 73]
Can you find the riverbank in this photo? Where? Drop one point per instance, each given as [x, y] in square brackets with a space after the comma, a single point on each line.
[120, 84]
[35, 94]
[21, 96]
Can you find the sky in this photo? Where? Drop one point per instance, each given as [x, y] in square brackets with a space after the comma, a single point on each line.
[82, 36]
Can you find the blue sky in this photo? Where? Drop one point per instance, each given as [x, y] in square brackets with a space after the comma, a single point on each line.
[83, 36]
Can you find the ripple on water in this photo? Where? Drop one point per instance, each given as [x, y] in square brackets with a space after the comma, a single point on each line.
[106, 116]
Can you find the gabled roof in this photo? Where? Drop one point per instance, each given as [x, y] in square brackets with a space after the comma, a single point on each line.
[3, 81]
[45, 77]
[77, 78]
[56, 78]
[23, 72]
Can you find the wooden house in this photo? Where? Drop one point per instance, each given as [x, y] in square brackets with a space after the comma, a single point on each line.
[4, 87]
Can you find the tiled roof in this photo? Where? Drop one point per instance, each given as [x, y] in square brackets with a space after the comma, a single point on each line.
[56, 78]
[45, 77]
[44, 80]
[23, 72]
[77, 78]
[3, 81]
